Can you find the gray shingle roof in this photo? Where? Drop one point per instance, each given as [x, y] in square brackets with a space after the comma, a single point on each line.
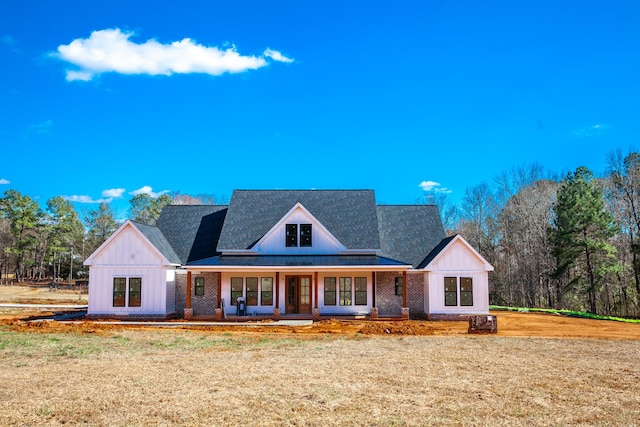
[350, 215]
[158, 240]
[409, 232]
[192, 230]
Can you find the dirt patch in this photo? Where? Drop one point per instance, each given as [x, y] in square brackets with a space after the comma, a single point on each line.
[514, 324]
[511, 324]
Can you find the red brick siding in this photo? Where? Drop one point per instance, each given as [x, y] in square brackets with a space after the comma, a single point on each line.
[390, 304]
[201, 304]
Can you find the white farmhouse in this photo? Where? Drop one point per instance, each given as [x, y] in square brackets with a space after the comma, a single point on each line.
[279, 253]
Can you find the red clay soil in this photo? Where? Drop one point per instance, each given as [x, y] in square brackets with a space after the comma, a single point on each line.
[509, 324]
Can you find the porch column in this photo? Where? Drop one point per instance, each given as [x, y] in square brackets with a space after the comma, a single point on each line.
[188, 311]
[374, 310]
[373, 289]
[405, 309]
[219, 315]
[316, 311]
[219, 289]
[276, 310]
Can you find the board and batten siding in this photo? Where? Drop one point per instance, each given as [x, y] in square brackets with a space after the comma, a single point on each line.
[128, 255]
[322, 242]
[456, 261]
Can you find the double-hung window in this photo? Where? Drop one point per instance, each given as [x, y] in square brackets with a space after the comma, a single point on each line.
[267, 291]
[119, 291]
[252, 290]
[305, 235]
[127, 292]
[236, 289]
[458, 289]
[329, 291]
[298, 235]
[199, 288]
[292, 235]
[466, 291]
[450, 291]
[360, 290]
[345, 291]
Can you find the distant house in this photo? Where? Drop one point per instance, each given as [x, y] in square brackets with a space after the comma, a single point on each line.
[277, 253]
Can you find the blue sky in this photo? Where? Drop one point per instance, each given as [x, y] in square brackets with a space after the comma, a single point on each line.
[103, 99]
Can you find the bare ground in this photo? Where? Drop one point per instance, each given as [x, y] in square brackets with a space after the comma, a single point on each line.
[538, 370]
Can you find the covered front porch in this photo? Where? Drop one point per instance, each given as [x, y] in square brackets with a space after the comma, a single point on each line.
[238, 288]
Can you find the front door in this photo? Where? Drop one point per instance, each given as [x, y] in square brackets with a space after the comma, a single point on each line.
[298, 294]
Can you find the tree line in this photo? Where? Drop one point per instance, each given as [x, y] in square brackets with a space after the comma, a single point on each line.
[565, 242]
[52, 242]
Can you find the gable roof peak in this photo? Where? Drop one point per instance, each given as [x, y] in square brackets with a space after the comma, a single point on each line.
[349, 215]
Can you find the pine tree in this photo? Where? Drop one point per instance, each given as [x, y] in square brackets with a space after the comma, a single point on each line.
[580, 236]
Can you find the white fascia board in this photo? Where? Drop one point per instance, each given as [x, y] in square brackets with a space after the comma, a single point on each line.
[487, 266]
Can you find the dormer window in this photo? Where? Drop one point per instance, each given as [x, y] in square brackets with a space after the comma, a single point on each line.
[306, 236]
[292, 235]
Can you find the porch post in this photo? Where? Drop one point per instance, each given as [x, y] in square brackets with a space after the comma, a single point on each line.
[276, 310]
[219, 315]
[405, 309]
[188, 311]
[316, 311]
[373, 289]
[315, 289]
[374, 310]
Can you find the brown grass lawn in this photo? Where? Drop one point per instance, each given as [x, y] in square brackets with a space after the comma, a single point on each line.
[24, 294]
[539, 370]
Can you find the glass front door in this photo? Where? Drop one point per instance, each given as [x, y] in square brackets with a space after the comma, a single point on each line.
[298, 294]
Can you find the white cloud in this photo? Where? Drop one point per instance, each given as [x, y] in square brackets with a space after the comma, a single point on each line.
[148, 190]
[115, 193]
[276, 56]
[86, 199]
[428, 185]
[111, 50]
[4, 181]
[589, 131]
[433, 186]
[82, 76]
[42, 128]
